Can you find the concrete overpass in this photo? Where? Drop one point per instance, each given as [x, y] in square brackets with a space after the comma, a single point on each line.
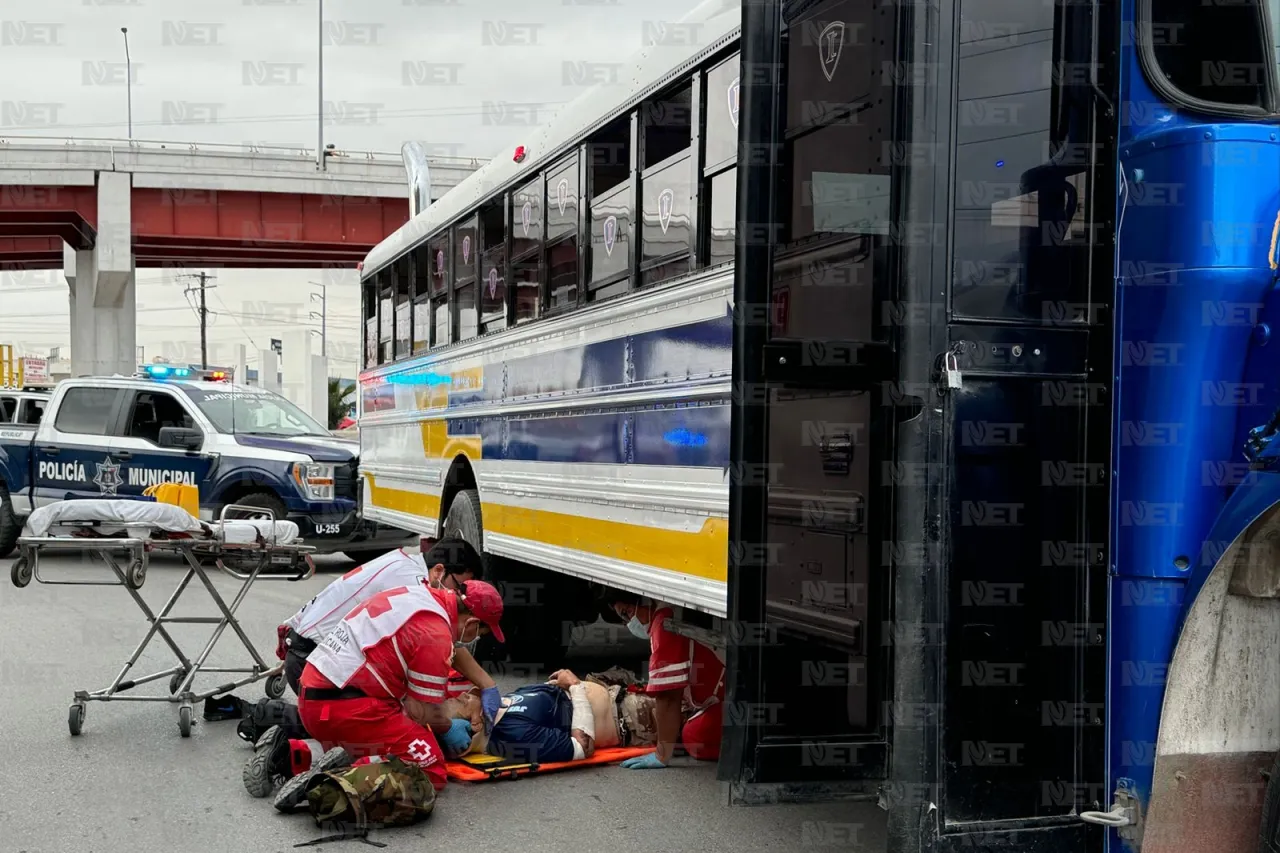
[102, 208]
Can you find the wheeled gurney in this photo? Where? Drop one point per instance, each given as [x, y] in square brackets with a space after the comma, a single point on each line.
[239, 548]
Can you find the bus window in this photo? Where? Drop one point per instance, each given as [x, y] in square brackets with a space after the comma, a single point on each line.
[562, 200]
[1214, 53]
[721, 135]
[1020, 204]
[610, 239]
[400, 276]
[493, 265]
[419, 290]
[465, 261]
[370, 301]
[562, 275]
[438, 260]
[526, 218]
[609, 162]
[721, 217]
[526, 278]
[386, 317]
[667, 217]
[667, 125]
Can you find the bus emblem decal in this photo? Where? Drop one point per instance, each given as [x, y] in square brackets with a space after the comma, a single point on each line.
[526, 216]
[466, 249]
[562, 193]
[610, 234]
[493, 282]
[440, 262]
[666, 201]
[830, 43]
[734, 95]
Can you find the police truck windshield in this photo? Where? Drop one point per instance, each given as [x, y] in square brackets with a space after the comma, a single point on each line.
[254, 413]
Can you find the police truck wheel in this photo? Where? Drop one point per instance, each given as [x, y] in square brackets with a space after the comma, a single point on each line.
[261, 500]
[185, 716]
[275, 686]
[10, 524]
[75, 719]
[21, 572]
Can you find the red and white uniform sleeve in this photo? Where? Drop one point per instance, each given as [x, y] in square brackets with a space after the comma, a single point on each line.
[669, 657]
[425, 644]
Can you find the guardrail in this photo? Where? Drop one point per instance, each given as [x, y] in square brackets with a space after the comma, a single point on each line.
[220, 148]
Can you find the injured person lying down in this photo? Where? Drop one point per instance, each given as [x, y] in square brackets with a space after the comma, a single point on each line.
[565, 719]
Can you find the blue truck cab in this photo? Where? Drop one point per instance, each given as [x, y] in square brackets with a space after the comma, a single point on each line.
[116, 436]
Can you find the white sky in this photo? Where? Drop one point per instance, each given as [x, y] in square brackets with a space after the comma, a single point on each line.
[380, 92]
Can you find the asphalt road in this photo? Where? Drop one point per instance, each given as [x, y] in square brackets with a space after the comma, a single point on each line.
[131, 783]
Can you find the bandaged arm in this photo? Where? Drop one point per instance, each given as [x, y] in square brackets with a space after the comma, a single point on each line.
[583, 725]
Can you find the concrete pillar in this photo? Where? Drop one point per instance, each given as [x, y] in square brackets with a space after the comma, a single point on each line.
[296, 367]
[103, 295]
[319, 390]
[240, 365]
[269, 370]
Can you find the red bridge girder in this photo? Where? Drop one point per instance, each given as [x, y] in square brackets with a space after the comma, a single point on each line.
[210, 228]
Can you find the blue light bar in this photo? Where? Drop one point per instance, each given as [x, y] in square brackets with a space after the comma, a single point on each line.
[161, 371]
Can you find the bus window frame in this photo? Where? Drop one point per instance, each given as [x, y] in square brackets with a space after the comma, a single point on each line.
[688, 253]
[419, 297]
[496, 321]
[706, 173]
[536, 253]
[546, 245]
[1164, 88]
[470, 219]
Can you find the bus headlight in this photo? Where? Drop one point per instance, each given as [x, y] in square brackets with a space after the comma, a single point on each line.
[314, 479]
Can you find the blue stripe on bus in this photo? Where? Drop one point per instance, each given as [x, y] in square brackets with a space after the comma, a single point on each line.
[692, 436]
[670, 354]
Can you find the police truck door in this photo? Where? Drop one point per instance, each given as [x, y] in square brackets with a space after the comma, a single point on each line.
[144, 461]
[72, 453]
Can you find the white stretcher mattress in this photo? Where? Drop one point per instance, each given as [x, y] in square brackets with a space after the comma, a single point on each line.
[141, 517]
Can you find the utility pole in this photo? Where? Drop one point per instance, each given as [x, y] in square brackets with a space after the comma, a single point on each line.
[128, 70]
[320, 93]
[202, 312]
[204, 327]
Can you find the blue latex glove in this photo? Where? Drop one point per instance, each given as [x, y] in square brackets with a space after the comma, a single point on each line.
[457, 739]
[491, 702]
[648, 761]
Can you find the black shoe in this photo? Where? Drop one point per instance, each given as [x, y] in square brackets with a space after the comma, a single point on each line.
[226, 707]
[294, 791]
[269, 765]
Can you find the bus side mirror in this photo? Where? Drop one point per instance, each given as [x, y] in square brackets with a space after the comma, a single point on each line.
[187, 439]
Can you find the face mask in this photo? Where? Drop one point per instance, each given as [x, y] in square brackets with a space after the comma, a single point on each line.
[638, 628]
[470, 645]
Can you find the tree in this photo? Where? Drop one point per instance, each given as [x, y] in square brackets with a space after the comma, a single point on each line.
[339, 401]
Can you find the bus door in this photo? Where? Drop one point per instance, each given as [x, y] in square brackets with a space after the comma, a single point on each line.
[808, 593]
[923, 417]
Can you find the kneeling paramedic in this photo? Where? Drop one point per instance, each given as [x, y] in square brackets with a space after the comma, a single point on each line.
[375, 685]
[447, 562]
[683, 673]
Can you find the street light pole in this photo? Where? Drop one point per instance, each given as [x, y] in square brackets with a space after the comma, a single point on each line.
[324, 312]
[320, 92]
[128, 83]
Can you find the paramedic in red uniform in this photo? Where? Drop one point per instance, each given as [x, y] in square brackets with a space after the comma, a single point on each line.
[447, 562]
[374, 686]
[682, 672]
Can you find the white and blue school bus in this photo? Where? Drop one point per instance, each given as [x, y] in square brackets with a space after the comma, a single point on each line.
[546, 347]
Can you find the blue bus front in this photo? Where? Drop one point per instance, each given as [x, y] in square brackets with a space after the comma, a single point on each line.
[1059, 316]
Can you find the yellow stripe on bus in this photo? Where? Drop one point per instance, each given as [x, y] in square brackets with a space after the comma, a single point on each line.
[403, 500]
[438, 444]
[703, 553]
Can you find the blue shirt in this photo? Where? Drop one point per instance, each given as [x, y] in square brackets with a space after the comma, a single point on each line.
[535, 726]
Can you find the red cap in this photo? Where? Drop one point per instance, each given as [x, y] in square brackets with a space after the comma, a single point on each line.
[485, 604]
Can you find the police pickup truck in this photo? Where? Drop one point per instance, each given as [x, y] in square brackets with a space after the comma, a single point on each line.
[115, 436]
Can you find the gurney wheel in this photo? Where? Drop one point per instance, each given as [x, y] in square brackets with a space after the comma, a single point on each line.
[185, 716]
[75, 719]
[21, 572]
[275, 686]
[136, 574]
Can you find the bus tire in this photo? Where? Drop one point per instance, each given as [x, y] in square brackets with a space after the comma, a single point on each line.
[10, 524]
[1269, 831]
[534, 634]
